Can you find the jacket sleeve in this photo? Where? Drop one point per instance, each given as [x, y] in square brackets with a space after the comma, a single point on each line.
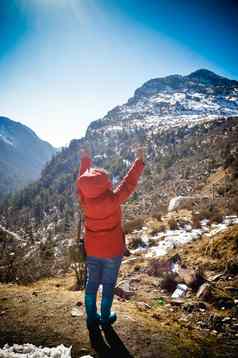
[85, 164]
[129, 182]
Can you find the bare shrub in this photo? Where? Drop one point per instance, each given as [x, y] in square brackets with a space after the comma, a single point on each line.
[77, 255]
[156, 215]
[156, 227]
[196, 223]
[216, 217]
[213, 213]
[132, 225]
[233, 205]
[136, 242]
[172, 223]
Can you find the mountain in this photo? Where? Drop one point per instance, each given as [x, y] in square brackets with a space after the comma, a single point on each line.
[22, 155]
[183, 304]
[173, 100]
[189, 126]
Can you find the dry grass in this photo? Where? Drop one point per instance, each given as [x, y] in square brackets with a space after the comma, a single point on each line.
[41, 314]
[219, 253]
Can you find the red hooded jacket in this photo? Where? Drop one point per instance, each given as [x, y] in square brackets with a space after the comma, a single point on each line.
[104, 235]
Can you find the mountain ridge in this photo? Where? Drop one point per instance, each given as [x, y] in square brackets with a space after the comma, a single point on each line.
[174, 100]
[22, 155]
[201, 74]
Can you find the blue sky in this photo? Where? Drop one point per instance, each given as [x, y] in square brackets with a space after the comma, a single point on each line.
[65, 63]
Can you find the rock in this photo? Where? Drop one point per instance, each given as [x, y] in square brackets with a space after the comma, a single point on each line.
[158, 267]
[126, 295]
[226, 319]
[213, 277]
[190, 277]
[204, 293]
[168, 283]
[76, 312]
[142, 306]
[177, 302]
[180, 291]
[180, 202]
[186, 202]
[123, 290]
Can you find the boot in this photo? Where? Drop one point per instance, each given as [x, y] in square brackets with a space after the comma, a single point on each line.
[91, 310]
[107, 317]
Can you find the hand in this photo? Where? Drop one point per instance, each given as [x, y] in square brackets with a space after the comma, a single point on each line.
[85, 153]
[140, 154]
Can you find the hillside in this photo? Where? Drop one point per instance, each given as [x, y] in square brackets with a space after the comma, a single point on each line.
[182, 154]
[49, 312]
[22, 156]
[177, 291]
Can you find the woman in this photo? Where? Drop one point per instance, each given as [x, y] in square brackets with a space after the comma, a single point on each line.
[104, 237]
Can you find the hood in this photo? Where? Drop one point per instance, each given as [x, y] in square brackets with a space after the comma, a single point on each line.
[93, 183]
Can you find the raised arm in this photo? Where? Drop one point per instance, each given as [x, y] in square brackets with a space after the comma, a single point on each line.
[85, 164]
[85, 161]
[129, 182]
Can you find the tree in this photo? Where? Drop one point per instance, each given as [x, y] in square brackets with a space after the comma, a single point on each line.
[77, 255]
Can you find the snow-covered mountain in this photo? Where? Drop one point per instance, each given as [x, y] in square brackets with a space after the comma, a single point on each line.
[175, 101]
[22, 155]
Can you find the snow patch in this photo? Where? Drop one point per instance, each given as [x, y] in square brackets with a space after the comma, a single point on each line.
[170, 239]
[30, 351]
[6, 140]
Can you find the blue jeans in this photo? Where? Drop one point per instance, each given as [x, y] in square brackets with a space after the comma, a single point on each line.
[102, 271]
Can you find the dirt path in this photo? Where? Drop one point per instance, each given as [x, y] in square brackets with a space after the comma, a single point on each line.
[41, 314]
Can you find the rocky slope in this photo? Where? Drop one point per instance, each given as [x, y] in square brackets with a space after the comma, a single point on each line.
[22, 155]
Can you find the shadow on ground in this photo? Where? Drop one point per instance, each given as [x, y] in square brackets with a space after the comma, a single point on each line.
[111, 346]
